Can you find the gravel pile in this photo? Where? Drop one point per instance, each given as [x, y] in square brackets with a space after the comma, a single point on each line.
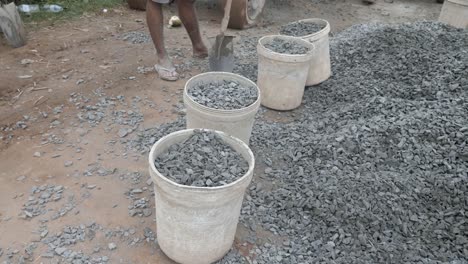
[283, 46]
[300, 29]
[203, 160]
[225, 95]
[246, 57]
[374, 168]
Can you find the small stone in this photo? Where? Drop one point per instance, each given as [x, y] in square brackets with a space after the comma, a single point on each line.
[340, 138]
[60, 250]
[112, 246]
[123, 132]
[47, 255]
[37, 154]
[26, 61]
[136, 191]
[21, 178]
[68, 163]
[44, 233]
[147, 212]
[149, 182]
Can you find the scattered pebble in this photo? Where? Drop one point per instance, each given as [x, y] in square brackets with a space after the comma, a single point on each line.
[135, 37]
[21, 178]
[112, 246]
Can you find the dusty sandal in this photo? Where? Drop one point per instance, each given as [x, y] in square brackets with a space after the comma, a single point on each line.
[167, 74]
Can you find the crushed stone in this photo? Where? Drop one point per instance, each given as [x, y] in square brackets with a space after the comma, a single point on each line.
[135, 37]
[373, 169]
[225, 95]
[283, 46]
[202, 160]
[38, 199]
[61, 244]
[112, 246]
[300, 29]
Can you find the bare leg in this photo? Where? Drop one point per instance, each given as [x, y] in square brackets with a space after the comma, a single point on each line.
[155, 21]
[188, 16]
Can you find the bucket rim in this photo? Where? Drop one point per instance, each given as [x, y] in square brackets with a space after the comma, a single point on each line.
[317, 34]
[286, 57]
[460, 2]
[195, 188]
[221, 111]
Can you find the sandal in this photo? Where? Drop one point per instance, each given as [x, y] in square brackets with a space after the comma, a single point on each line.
[167, 74]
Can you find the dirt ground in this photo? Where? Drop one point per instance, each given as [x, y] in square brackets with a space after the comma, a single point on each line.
[86, 57]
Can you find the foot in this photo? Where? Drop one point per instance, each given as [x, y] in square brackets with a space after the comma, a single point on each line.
[166, 70]
[200, 52]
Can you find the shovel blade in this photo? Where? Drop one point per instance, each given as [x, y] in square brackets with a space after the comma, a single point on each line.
[222, 54]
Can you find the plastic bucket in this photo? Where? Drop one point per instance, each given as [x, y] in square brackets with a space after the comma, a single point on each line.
[320, 65]
[238, 122]
[197, 225]
[455, 13]
[282, 77]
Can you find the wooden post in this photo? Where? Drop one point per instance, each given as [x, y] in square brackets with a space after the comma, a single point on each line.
[12, 26]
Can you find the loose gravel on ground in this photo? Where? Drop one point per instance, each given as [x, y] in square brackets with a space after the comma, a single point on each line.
[375, 167]
[300, 29]
[225, 95]
[283, 46]
[203, 160]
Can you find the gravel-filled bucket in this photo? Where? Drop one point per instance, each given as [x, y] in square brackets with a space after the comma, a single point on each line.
[283, 67]
[314, 30]
[222, 101]
[455, 13]
[197, 225]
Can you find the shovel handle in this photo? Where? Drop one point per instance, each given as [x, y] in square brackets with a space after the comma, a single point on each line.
[227, 16]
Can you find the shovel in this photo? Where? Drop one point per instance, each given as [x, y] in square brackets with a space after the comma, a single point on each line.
[222, 52]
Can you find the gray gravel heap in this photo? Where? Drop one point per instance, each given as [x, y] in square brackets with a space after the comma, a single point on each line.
[300, 29]
[202, 160]
[225, 95]
[375, 167]
[283, 46]
[375, 171]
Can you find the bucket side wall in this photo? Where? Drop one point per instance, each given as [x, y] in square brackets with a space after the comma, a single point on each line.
[281, 83]
[320, 65]
[454, 13]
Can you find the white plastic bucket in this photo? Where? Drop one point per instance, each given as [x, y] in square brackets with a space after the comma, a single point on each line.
[320, 65]
[455, 13]
[197, 225]
[238, 122]
[282, 77]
